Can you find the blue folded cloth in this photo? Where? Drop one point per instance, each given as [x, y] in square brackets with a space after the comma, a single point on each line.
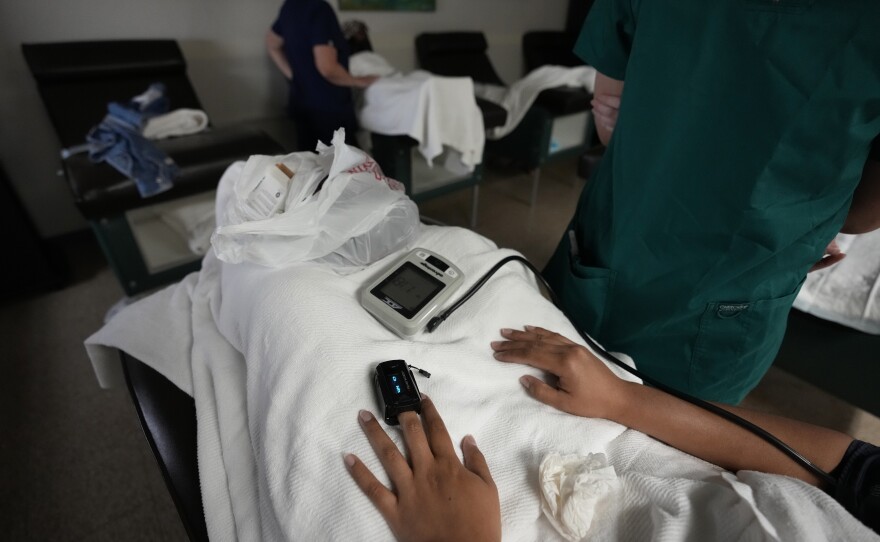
[117, 140]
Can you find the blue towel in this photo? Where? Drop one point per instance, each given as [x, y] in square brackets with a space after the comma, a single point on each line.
[117, 140]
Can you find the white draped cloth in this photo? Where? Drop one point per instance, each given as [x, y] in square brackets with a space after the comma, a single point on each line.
[848, 292]
[519, 97]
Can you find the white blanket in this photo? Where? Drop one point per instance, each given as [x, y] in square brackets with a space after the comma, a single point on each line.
[433, 110]
[519, 97]
[278, 361]
[848, 292]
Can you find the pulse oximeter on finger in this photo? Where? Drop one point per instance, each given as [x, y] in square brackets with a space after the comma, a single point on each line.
[396, 389]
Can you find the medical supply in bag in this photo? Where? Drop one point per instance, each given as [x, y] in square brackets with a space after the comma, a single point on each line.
[406, 296]
[340, 209]
[268, 196]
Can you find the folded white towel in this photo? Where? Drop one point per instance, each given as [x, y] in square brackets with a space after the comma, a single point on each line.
[176, 123]
[194, 222]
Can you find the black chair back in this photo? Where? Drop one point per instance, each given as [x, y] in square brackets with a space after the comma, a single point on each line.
[76, 80]
[457, 54]
[541, 48]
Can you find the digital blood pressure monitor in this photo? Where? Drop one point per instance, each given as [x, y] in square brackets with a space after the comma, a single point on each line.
[412, 291]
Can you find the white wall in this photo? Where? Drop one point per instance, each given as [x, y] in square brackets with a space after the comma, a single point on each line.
[222, 41]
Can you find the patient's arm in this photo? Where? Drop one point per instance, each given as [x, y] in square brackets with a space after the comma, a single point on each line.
[275, 47]
[864, 213]
[606, 105]
[327, 62]
[586, 387]
[435, 497]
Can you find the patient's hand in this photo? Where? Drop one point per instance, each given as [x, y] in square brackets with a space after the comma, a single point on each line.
[833, 254]
[435, 497]
[585, 386]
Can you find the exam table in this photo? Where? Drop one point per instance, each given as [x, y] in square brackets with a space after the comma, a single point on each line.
[76, 80]
[558, 125]
[395, 154]
[293, 389]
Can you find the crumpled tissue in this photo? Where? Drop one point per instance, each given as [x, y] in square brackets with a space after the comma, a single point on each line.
[571, 488]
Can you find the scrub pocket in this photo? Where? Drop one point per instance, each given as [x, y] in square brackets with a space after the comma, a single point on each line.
[583, 290]
[736, 344]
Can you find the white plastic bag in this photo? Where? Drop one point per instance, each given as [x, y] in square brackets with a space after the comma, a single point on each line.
[359, 216]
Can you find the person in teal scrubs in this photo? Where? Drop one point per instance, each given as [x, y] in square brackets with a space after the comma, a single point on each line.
[744, 129]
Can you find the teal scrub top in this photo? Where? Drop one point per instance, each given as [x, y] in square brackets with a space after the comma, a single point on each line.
[743, 131]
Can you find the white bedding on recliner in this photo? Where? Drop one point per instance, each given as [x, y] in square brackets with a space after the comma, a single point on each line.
[848, 292]
[435, 111]
[519, 97]
[279, 363]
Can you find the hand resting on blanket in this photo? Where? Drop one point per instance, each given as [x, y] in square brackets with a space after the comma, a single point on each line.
[436, 497]
[586, 387]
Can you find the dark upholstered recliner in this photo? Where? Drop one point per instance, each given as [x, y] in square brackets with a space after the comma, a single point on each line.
[532, 143]
[76, 81]
[168, 418]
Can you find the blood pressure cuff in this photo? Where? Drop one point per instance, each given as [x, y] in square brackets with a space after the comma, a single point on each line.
[858, 483]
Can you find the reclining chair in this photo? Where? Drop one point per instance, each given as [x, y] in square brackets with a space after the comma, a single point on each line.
[556, 126]
[76, 81]
[394, 154]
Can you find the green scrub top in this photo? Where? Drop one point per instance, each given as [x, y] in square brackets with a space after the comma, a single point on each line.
[743, 131]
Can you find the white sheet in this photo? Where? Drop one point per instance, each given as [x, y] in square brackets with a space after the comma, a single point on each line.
[433, 110]
[519, 97]
[366, 63]
[278, 361]
[848, 292]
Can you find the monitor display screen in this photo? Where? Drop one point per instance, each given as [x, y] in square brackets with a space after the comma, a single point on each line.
[410, 288]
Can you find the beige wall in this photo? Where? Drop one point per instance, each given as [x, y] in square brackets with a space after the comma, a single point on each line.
[223, 44]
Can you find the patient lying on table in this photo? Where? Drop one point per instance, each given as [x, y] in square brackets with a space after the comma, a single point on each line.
[435, 495]
[274, 346]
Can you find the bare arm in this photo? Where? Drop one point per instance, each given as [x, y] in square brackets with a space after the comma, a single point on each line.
[275, 47]
[327, 62]
[864, 214]
[586, 387]
[606, 105]
[707, 436]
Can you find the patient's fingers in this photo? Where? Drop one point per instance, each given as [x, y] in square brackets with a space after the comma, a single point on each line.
[438, 436]
[608, 99]
[546, 357]
[416, 441]
[537, 334]
[378, 494]
[546, 394]
[390, 457]
[474, 460]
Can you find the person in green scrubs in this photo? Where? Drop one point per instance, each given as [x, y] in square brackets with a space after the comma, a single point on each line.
[742, 145]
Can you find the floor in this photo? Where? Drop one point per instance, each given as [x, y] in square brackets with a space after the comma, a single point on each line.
[74, 465]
